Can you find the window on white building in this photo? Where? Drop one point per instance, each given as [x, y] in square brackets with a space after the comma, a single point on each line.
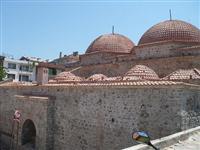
[24, 68]
[11, 76]
[11, 66]
[23, 78]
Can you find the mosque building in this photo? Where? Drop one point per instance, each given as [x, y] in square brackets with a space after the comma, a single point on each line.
[164, 48]
[115, 88]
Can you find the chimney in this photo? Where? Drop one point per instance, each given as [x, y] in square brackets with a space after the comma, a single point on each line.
[60, 55]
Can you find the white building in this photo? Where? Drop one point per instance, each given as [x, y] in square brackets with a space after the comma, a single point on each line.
[20, 70]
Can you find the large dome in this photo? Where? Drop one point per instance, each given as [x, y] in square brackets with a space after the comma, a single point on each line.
[171, 30]
[111, 43]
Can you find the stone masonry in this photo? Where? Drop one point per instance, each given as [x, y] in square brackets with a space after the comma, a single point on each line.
[86, 117]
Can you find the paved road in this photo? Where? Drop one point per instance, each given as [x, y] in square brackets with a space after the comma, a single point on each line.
[192, 143]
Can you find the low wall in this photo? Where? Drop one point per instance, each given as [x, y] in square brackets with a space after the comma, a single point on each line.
[85, 117]
[167, 141]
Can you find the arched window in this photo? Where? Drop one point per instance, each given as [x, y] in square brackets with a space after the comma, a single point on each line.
[28, 133]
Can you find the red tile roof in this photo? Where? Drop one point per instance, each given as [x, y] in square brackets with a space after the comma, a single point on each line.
[97, 77]
[184, 74]
[174, 30]
[121, 83]
[65, 76]
[118, 78]
[140, 72]
[111, 43]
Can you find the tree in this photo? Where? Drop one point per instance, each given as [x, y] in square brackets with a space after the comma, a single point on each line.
[2, 73]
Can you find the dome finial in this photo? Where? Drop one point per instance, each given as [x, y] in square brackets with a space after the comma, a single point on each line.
[170, 14]
[113, 29]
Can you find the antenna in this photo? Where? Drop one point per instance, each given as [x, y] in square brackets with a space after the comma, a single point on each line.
[170, 14]
[113, 30]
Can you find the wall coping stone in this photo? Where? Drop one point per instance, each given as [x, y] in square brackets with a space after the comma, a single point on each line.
[168, 140]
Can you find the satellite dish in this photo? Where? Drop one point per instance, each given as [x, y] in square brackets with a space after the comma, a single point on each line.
[143, 137]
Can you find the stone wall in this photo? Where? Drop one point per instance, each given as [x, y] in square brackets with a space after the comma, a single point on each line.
[154, 51]
[98, 58]
[163, 49]
[100, 117]
[163, 57]
[162, 66]
[31, 107]
[149, 51]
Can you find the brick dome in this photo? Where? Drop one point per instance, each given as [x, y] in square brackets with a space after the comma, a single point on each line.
[141, 72]
[67, 76]
[171, 30]
[97, 77]
[111, 43]
[182, 74]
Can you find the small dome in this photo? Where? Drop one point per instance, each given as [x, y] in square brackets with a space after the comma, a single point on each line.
[140, 72]
[184, 74]
[97, 77]
[67, 76]
[171, 30]
[111, 43]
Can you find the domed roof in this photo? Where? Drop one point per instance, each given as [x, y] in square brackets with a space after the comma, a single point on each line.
[111, 43]
[67, 76]
[174, 30]
[97, 77]
[184, 74]
[140, 72]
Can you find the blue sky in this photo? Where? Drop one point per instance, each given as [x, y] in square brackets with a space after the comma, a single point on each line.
[44, 28]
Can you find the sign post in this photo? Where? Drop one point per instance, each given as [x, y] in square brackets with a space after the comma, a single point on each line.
[15, 122]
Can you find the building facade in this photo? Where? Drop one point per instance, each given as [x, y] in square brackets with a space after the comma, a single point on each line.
[20, 70]
[166, 47]
[115, 88]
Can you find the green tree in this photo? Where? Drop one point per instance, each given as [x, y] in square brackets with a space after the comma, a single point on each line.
[2, 73]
